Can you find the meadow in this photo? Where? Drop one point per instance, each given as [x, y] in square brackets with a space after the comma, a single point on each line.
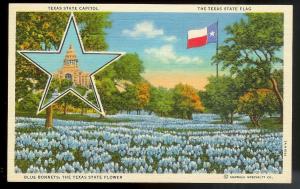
[146, 144]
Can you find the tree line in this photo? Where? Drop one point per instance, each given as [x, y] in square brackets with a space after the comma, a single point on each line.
[122, 88]
[250, 54]
[252, 86]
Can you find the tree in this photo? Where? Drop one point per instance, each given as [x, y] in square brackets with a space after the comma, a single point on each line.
[36, 31]
[66, 100]
[161, 101]
[257, 103]
[278, 76]
[109, 95]
[143, 95]
[44, 31]
[186, 101]
[57, 84]
[129, 68]
[49, 117]
[116, 79]
[253, 46]
[29, 103]
[80, 104]
[129, 98]
[92, 29]
[221, 96]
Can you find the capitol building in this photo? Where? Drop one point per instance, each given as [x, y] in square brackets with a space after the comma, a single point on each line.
[70, 70]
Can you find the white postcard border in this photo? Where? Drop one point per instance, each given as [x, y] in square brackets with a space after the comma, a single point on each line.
[285, 177]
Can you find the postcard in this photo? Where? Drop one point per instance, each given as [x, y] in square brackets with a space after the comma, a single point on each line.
[150, 93]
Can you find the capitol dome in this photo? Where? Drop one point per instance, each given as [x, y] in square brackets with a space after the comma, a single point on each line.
[70, 57]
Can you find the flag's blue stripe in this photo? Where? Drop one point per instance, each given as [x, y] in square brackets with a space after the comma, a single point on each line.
[212, 33]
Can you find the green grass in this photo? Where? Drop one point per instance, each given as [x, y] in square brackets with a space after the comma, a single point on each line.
[161, 129]
[78, 156]
[81, 90]
[115, 157]
[270, 124]
[75, 117]
[218, 121]
[34, 129]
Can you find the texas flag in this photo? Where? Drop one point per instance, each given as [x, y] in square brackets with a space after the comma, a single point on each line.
[200, 37]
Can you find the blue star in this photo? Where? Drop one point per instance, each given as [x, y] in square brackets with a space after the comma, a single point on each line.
[71, 62]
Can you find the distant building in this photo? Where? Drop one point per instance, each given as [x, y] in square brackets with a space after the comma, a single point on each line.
[70, 70]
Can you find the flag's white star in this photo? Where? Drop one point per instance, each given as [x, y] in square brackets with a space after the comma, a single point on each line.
[212, 33]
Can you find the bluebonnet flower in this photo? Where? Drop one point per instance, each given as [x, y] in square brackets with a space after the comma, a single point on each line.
[140, 146]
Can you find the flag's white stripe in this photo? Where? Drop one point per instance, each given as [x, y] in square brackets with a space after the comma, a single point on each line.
[197, 33]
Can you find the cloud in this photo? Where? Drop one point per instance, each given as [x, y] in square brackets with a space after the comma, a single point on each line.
[149, 30]
[166, 54]
[145, 28]
[170, 38]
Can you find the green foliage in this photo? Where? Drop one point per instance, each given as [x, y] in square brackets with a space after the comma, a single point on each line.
[129, 67]
[161, 101]
[59, 84]
[120, 85]
[257, 103]
[92, 25]
[68, 99]
[250, 53]
[253, 43]
[35, 31]
[29, 103]
[130, 98]
[29, 79]
[80, 89]
[221, 96]
[44, 31]
[117, 84]
[109, 95]
[40, 31]
[91, 97]
[277, 74]
[269, 124]
[250, 78]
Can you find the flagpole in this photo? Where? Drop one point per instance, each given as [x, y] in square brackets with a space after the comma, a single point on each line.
[217, 46]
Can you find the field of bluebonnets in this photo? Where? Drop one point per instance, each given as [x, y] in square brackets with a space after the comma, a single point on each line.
[146, 144]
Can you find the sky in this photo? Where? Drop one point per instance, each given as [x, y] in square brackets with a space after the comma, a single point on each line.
[160, 40]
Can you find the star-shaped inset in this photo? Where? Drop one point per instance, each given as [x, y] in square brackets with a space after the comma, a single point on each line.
[71, 69]
[212, 33]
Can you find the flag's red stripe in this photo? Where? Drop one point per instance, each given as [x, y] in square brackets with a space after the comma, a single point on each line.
[197, 42]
